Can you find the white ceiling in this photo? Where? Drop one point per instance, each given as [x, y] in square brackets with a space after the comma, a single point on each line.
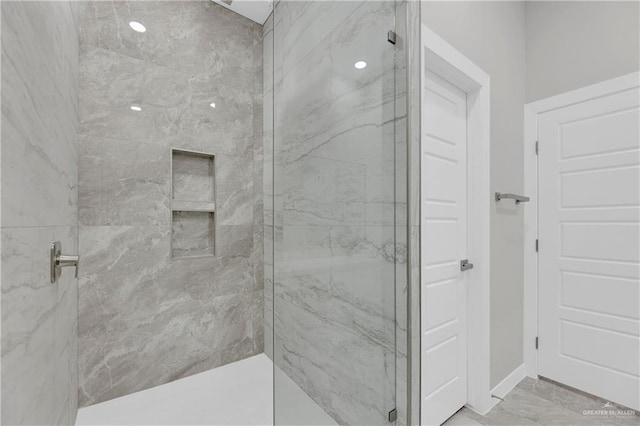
[256, 10]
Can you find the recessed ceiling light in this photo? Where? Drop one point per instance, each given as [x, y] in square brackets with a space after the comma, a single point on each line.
[136, 108]
[360, 65]
[212, 104]
[137, 26]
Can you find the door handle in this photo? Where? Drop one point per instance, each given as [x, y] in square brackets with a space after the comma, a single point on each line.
[465, 265]
[59, 261]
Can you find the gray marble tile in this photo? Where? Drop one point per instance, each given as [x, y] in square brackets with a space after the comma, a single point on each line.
[39, 115]
[268, 311]
[461, 418]
[39, 206]
[268, 159]
[267, 52]
[179, 116]
[340, 276]
[333, 206]
[257, 252]
[498, 416]
[258, 165]
[571, 400]
[123, 182]
[136, 304]
[193, 177]
[192, 234]
[235, 241]
[539, 410]
[173, 76]
[194, 45]
[323, 95]
[323, 191]
[238, 185]
[267, 181]
[175, 105]
[362, 399]
[139, 308]
[219, 333]
[343, 124]
[39, 319]
[234, 203]
[537, 402]
[306, 24]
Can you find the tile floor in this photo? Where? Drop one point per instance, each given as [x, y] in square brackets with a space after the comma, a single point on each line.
[539, 402]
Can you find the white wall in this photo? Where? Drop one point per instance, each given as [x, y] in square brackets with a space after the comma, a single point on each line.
[575, 44]
[531, 50]
[492, 34]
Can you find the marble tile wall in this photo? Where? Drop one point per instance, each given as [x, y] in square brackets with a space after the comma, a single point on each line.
[267, 212]
[193, 234]
[334, 206]
[193, 177]
[145, 318]
[412, 164]
[39, 205]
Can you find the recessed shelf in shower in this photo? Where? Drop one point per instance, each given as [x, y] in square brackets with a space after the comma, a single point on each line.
[192, 204]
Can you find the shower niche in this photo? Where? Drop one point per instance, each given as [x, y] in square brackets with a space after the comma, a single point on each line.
[192, 204]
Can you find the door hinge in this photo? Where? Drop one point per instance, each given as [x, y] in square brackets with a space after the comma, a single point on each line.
[537, 245]
[393, 415]
[537, 342]
[537, 148]
[391, 37]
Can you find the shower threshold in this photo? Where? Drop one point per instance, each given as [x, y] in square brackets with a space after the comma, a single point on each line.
[240, 393]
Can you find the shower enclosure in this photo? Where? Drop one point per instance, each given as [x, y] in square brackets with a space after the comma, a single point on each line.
[335, 210]
[233, 189]
[333, 207]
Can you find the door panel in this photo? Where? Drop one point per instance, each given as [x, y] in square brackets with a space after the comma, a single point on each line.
[589, 246]
[444, 243]
[334, 222]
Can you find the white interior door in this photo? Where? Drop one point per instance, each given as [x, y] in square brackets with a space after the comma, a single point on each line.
[443, 245]
[589, 291]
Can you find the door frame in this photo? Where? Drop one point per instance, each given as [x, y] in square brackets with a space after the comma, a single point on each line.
[531, 112]
[444, 60]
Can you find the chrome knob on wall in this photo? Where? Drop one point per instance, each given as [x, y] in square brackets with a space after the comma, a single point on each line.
[59, 261]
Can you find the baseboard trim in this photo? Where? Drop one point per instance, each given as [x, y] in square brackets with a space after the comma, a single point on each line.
[489, 406]
[510, 382]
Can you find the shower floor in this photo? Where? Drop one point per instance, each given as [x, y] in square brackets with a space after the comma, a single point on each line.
[240, 393]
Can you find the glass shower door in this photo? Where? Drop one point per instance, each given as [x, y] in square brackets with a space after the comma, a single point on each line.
[333, 306]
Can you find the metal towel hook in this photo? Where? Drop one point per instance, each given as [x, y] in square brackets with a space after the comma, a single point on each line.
[518, 198]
